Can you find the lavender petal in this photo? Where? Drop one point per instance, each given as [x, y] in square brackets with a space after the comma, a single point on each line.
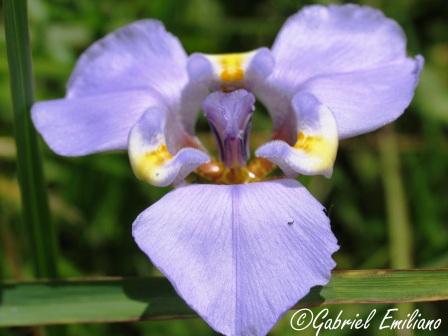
[240, 255]
[351, 57]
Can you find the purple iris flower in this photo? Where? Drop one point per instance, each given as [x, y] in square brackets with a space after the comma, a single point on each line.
[241, 248]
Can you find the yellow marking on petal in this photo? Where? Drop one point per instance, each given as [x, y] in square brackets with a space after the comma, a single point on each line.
[148, 164]
[317, 146]
[231, 66]
[232, 70]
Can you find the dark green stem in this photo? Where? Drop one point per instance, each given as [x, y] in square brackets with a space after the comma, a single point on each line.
[400, 232]
[40, 233]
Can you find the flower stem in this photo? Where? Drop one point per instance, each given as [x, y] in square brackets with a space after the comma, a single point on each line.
[400, 234]
[40, 232]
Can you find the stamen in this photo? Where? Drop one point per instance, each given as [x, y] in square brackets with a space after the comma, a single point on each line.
[256, 170]
[229, 116]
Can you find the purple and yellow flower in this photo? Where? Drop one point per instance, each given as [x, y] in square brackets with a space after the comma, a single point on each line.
[241, 248]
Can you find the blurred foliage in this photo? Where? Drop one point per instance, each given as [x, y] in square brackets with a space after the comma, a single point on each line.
[95, 199]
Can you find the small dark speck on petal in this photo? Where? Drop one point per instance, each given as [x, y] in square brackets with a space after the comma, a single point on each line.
[291, 222]
[327, 212]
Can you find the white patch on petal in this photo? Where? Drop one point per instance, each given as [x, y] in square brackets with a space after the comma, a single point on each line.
[317, 143]
[150, 157]
[315, 147]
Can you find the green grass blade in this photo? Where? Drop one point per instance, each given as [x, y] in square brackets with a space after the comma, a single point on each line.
[132, 299]
[400, 237]
[400, 232]
[39, 230]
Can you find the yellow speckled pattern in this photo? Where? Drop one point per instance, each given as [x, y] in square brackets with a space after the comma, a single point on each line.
[231, 67]
[316, 145]
[255, 171]
[308, 143]
[147, 165]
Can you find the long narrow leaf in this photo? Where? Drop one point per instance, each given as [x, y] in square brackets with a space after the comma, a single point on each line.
[400, 233]
[38, 229]
[132, 299]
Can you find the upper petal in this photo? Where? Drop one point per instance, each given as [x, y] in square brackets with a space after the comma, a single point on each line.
[114, 81]
[320, 42]
[240, 255]
[138, 56]
[90, 124]
[363, 101]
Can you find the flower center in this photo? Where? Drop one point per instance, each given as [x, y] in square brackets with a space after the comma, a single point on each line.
[229, 115]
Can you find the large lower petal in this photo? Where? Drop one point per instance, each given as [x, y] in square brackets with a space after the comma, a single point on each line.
[85, 125]
[138, 56]
[240, 255]
[358, 50]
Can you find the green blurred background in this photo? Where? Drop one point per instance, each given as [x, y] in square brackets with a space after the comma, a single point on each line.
[387, 199]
